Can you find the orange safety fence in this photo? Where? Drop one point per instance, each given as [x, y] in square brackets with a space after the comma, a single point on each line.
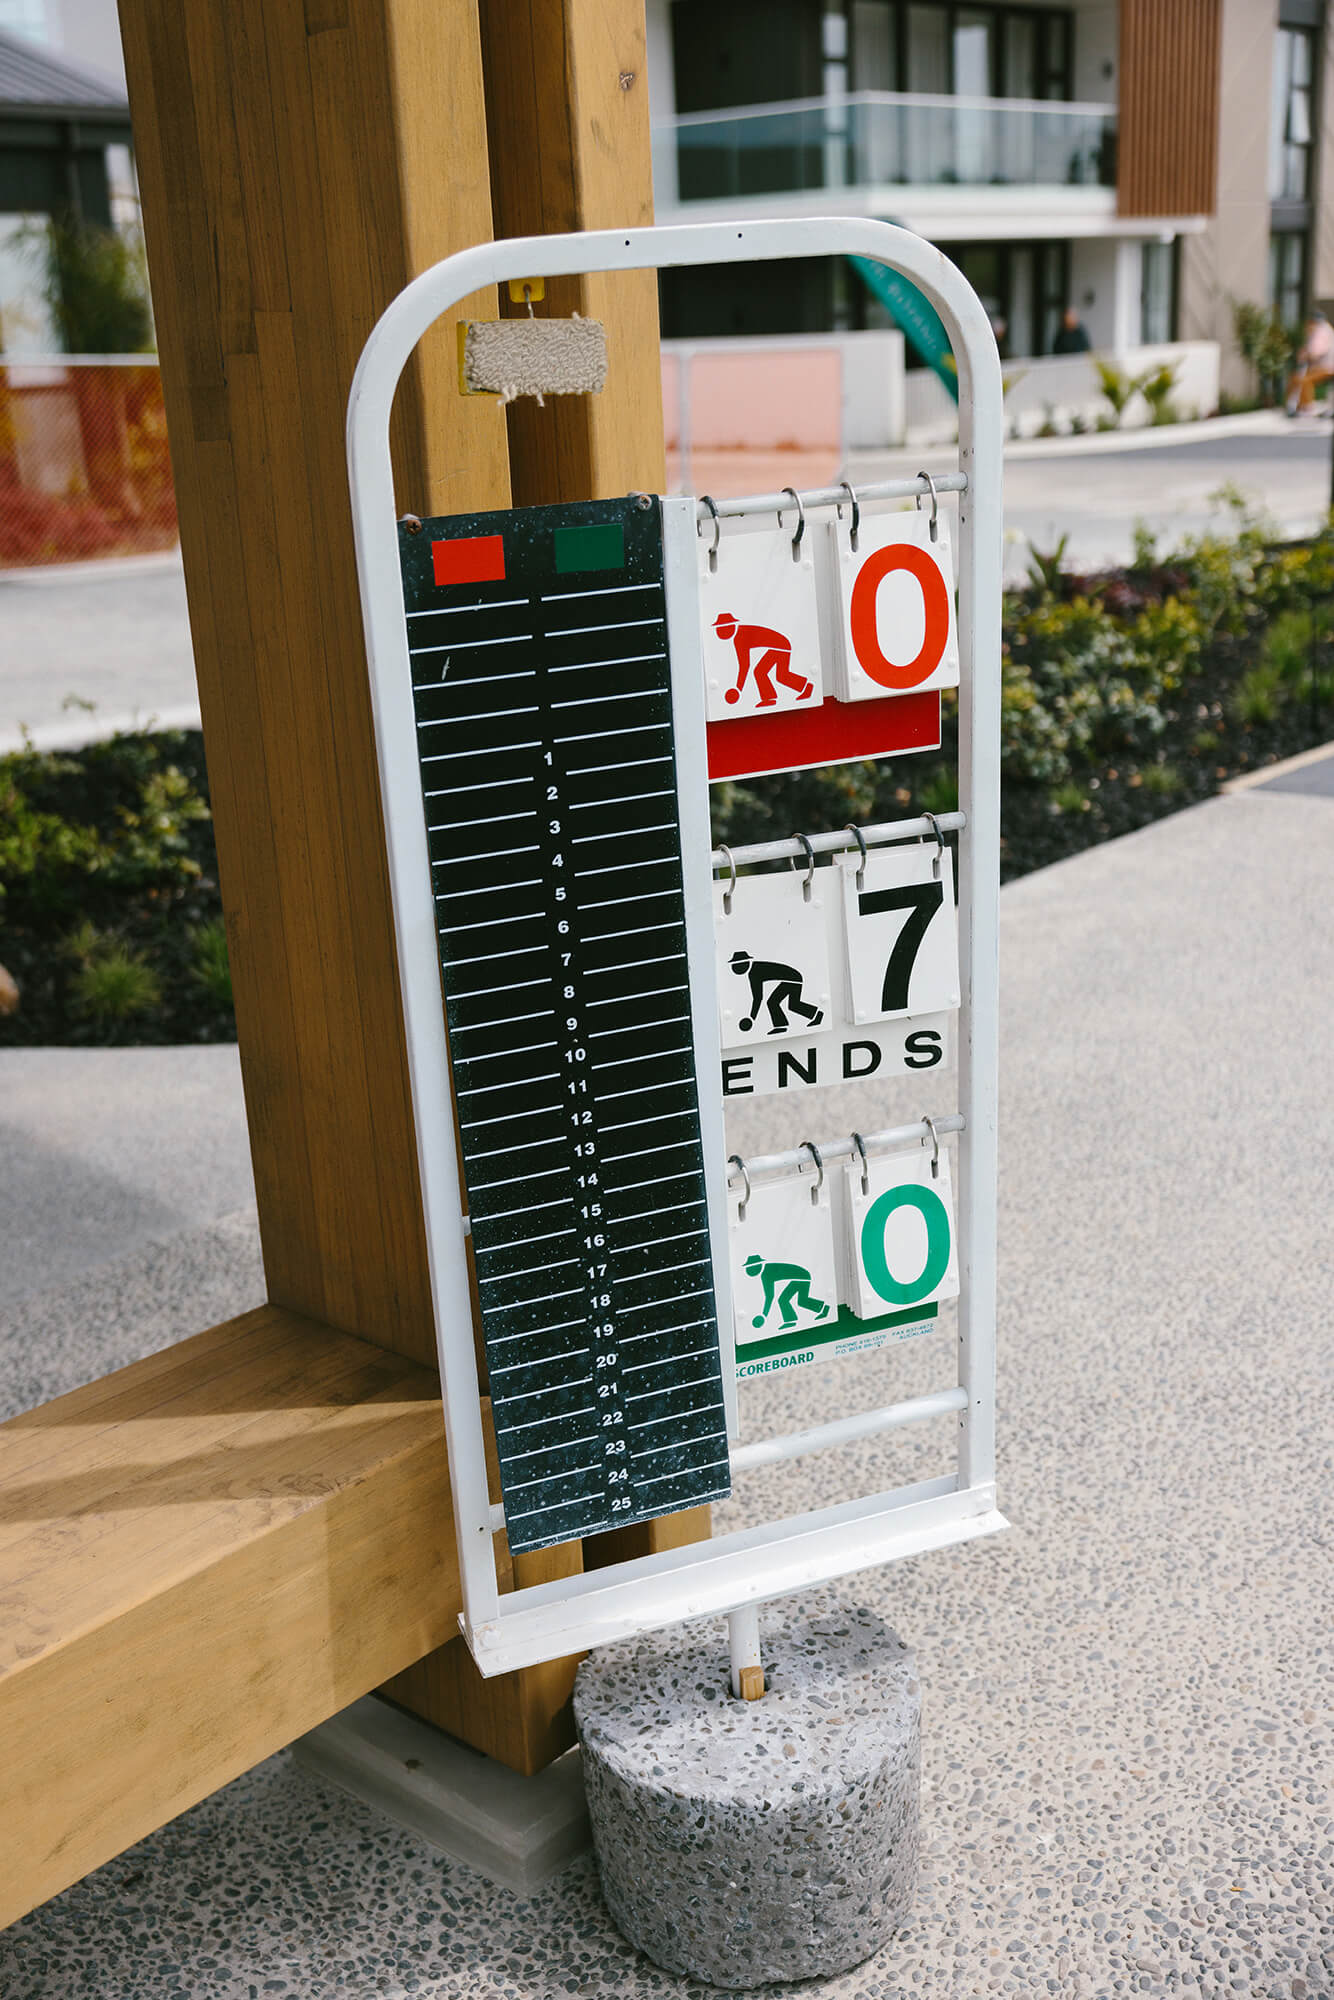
[84, 467]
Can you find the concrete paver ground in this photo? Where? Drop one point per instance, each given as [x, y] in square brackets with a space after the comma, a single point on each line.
[1127, 1731]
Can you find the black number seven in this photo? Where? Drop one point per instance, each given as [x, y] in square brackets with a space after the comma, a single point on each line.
[923, 899]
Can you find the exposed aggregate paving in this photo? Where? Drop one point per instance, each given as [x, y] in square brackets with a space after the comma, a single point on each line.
[1126, 1737]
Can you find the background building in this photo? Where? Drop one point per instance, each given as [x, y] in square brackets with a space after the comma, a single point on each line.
[1145, 162]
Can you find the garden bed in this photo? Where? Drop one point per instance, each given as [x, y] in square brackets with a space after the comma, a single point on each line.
[1126, 695]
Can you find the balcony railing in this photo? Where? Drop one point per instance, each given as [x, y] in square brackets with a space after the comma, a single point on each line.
[878, 138]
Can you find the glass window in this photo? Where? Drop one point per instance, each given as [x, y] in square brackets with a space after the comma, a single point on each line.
[875, 45]
[1056, 56]
[1019, 76]
[1290, 115]
[973, 52]
[1287, 274]
[1157, 293]
[26, 18]
[928, 51]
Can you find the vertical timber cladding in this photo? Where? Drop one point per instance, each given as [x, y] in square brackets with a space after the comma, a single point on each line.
[543, 693]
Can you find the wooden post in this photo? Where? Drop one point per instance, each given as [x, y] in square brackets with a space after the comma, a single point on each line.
[296, 172]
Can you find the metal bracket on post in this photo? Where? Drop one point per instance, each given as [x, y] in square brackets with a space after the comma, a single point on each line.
[737, 1571]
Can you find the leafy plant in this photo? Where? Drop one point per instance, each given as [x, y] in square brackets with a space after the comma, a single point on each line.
[1045, 570]
[1267, 344]
[112, 982]
[1117, 387]
[1157, 387]
[96, 285]
[211, 968]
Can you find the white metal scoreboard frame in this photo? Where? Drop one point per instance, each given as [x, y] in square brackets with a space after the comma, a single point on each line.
[738, 1570]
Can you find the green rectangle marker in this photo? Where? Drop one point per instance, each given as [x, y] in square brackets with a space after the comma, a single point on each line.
[601, 546]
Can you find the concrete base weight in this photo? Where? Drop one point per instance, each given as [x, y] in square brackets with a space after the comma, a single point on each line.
[772, 1840]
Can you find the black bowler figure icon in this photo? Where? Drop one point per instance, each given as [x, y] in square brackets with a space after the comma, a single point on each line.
[785, 983]
[772, 655]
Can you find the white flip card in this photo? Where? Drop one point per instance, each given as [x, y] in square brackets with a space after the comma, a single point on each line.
[896, 619]
[784, 1270]
[773, 958]
[899, 1251]
[759, 628]
[901, 931]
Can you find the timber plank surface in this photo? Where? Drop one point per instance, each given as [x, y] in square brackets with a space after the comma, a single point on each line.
[203, 1556]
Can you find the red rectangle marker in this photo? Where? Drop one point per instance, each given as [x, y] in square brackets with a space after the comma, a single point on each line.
[470, 559]
[801, 739]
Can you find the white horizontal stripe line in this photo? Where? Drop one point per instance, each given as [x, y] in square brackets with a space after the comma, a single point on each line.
[517, 1180]
[686, 1472]
[658, 1055]
[514, 986]
[492, 819]
[638, 1367]
[512, 1020]
[643, 1152]
[639, 930]
[654, 1241]
[452, 610]
[668, 1020]
[672, 1208]
[501, 1055]
[596, 700]
[467, 645]
[487, 715]
[682, 1326]
[489, 957]
[600, 735]
[487, 854]
[621, 833]
[496, 889]
[615, 902]
[625, 660]
[491, 785]
[630, 764]
[567, 1354]
[547, 1236]
[660, 1180]
[497, 750]
[669, 1389]
[604, 590]
[640, 1090]
[618, 867]
[568, 1444]
[531, 1423]
[700, 1291]
[655, 1450]
[514, 1146]
[624, 999]
[537, 1332]
[588, 805]
[473, 681]
[657, 1118]
[578, 631]
[562, 1472]
[504, 1214]
[505, 1117]
[504, 1277]
[489, 923]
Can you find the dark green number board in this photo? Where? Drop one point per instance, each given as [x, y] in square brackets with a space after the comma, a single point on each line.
[542, 686]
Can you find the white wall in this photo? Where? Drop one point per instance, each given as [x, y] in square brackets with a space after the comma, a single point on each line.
[1064, 385]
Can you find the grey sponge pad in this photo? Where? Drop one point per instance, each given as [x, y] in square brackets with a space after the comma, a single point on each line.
[535, 357]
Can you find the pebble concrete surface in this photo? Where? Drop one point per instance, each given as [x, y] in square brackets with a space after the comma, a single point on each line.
[745, 1841]
[1127, 1753]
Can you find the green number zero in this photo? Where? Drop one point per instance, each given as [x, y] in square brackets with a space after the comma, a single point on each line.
[936, 1217]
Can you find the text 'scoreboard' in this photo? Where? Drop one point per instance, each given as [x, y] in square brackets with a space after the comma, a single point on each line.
[542, 686]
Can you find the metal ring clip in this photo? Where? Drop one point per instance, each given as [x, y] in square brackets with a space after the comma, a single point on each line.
[735, 1160]
[935, 504]
[860, 1144]
[809, 1146]
[940, 843]
[810, 865]
[730, 890]
[848, 488]
[930, 1125]
[708, 501]
[860, 839]
[801, 521]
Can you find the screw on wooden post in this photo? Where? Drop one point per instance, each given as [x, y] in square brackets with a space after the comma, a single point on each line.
[743, 1636]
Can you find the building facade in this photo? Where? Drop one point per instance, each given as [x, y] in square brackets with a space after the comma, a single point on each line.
[1144, 162]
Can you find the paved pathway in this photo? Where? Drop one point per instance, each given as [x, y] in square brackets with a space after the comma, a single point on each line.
[1127, 1734]
[118, 636]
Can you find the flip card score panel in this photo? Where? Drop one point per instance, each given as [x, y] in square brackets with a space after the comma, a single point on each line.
[542, 686]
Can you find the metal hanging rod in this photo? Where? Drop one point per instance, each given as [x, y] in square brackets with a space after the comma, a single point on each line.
[795, 849]
[846, 1430]
[836, 496]
[895, 1138]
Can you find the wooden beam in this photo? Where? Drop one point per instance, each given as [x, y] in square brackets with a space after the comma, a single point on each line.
[296, 172]
[201, 1557]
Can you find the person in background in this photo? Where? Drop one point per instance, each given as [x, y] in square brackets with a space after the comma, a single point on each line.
[1315, 363]
[1071, 337]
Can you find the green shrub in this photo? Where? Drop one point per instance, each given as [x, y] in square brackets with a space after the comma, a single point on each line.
[114, 983]
[211, 967]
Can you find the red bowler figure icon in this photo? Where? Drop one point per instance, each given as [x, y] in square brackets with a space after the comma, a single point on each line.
[774, 661]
